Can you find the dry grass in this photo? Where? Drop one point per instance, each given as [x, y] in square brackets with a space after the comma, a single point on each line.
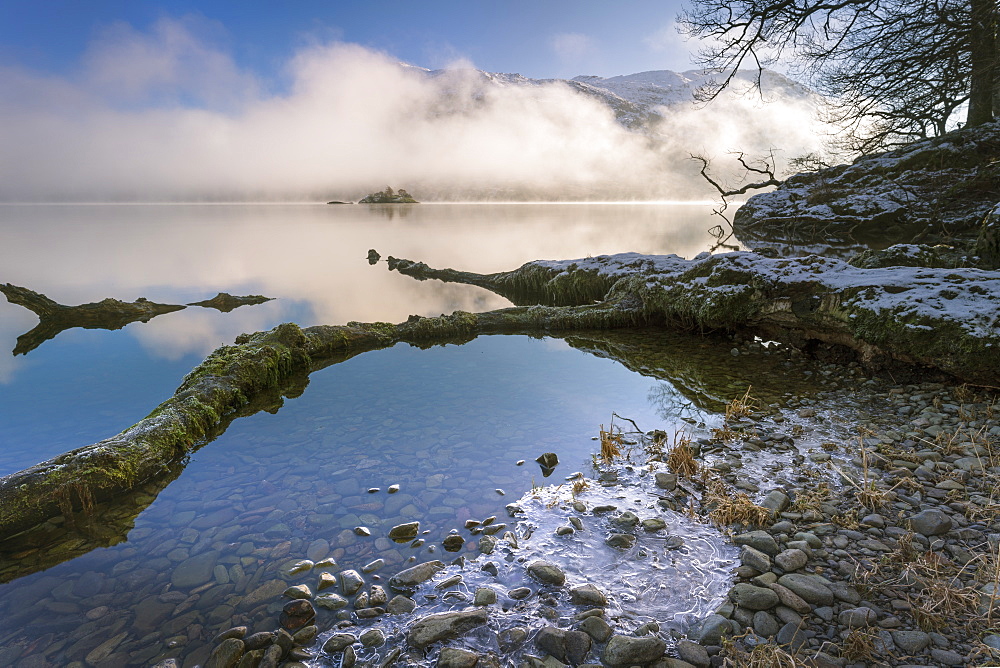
[729, 508]
[930, 583]
[579, 486]
[811, 499]
[680, 457]
[725, 434]
[860, 645]
[764, 655]
[963, 394]
[846, 521]
[867, 491]
[988, 571]
[942, 602]
[741, 407]
[611, 444]
[871, 581]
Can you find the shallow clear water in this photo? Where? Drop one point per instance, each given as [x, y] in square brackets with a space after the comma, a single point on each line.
[160, 573]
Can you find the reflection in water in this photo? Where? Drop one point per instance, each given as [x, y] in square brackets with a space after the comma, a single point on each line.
[227, 303]
[55, 318]
[694, 379]
[312, 256]
[106, 314]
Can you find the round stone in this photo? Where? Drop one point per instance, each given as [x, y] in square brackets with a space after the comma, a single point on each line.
[752, 597]
[621, 541]
[546, 572]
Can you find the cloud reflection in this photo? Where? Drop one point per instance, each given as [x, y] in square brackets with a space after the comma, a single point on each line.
[312, 259]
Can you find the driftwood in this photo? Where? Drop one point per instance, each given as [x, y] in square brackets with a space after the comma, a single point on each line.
[226, 302]
[948, 319]
[55, 318]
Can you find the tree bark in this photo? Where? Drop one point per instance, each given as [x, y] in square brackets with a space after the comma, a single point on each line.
[982, 44]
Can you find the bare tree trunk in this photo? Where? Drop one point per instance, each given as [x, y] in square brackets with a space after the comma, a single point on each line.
[982, 43]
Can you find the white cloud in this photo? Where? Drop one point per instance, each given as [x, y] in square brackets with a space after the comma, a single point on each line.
[172, 64]
[168, 115]
[572, 47]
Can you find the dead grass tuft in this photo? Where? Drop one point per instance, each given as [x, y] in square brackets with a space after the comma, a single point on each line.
[811, 499]
[764, 655]
[859, 645]
[680, 457]
[725, 434]
[741, 407]
[729, 508]
[611, 444]
[940, 603]
[846, 520]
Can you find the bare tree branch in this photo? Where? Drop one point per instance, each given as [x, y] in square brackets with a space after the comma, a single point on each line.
[898, 70]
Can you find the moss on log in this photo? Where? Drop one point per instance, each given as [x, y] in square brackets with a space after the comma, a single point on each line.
[237, 380]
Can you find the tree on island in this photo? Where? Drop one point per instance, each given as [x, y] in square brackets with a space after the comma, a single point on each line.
[388, 196]
[898, 70]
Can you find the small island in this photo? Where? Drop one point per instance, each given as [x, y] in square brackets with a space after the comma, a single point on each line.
[388, 196]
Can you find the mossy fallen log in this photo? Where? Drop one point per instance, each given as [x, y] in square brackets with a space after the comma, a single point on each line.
[944, 318]
[948, 319]
[55, 318]
[235, 380]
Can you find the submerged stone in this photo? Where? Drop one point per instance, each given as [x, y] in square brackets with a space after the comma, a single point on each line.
[444, 626]
[408, 579]
[546, 572]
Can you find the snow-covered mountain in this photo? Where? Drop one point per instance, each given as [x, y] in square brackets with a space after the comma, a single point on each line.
[635, 96]
[639, 98]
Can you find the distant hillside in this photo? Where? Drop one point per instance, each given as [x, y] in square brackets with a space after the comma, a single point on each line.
[637, 99]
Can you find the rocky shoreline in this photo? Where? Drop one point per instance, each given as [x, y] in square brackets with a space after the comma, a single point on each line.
[875, 549]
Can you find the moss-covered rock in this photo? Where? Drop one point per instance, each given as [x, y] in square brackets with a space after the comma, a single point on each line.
[942, 317]
[988, 243]
[938, 188]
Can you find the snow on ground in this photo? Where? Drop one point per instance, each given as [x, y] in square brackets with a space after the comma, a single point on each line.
[918, 295]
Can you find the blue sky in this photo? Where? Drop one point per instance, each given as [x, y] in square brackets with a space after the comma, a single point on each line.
[537, 38]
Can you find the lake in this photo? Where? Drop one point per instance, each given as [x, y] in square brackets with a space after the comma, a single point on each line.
[159, 574]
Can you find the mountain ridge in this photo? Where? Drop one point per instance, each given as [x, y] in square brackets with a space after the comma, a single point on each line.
[639, 97]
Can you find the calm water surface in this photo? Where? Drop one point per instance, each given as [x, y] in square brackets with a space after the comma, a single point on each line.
[161, 573]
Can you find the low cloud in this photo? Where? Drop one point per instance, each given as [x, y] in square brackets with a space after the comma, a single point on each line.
[167, 115]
